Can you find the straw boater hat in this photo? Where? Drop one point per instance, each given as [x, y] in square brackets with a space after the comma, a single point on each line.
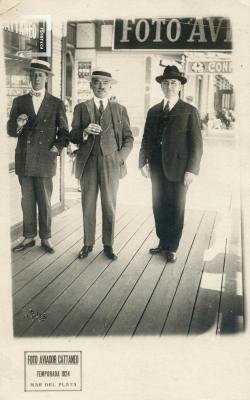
[101, 73]
[40, 65]
[171, 72]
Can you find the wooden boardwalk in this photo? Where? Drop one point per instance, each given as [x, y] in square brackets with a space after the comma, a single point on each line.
[138, 294]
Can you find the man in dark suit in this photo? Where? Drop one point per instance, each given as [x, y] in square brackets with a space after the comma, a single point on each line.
[102, 131]
[170, 153]
[39, 122]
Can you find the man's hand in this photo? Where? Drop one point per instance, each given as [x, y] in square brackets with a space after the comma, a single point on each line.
[145, 171]
[93, 129]
[188, 178]
[22, 120]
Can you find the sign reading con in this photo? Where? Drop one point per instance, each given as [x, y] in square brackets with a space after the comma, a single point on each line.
[209, 67]
[212, 33]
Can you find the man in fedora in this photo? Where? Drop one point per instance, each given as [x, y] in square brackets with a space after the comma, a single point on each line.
[170, 153]
[39, 122]
[102, 131]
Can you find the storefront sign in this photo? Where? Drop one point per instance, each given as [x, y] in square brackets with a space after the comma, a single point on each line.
[212, 33]
[210, 67]
[30, 37]
[29, 30]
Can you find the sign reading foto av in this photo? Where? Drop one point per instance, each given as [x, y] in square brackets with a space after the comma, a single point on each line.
[212, 33]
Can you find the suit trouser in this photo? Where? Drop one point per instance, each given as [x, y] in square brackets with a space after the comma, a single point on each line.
[100, 172]
[169, 200]
[36, 191]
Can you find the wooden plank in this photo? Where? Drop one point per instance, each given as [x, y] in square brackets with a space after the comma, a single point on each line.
[127, 319]
[58, 223]
[25, 279]
[154, 316]
[83, 310]
[107, 311]
[63, 304]
[43, 262]
[45, 271]
[179, 316]
[206, 310]
[48, 287]
[37, 252]
[67, 224]
[231, 313]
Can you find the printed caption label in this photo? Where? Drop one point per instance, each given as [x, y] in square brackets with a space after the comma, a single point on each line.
[53, 371]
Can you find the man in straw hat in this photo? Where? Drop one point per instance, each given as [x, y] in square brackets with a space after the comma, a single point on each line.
[170, 152]
[39, 122]
[102, 131]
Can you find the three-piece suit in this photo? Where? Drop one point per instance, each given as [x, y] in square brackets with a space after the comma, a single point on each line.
[171, 146]
[100, 163]
[35, 163]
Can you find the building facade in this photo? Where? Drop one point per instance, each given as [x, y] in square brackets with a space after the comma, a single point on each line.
[92, 44]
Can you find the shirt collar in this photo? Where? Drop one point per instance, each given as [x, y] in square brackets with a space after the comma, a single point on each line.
[42, 91]
[172, 102]
[104, 101]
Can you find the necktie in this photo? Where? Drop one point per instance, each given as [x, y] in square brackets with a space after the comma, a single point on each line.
[101, 108]
[36, 94]
[166, 108]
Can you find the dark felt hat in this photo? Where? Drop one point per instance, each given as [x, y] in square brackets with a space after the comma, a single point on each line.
[171, 72]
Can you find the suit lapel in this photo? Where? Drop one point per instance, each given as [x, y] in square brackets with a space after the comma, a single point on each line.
[117, 121]
[29, 110]
[176, 111]
[115, 115]
[90, 107]
[156, 117]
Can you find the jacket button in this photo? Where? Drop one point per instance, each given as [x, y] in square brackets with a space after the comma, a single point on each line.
[40, 142]
[41, 131]
[28, 141]
[44, 120]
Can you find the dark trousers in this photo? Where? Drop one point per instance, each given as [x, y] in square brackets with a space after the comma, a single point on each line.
[100, 172]
[169, 200]
[36, 191]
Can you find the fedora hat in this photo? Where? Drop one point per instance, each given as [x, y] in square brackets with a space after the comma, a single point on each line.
[102, 74]
[171, 72]
[40, 65]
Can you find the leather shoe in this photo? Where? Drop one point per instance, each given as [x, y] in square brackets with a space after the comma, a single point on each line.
[84, 252]
[156, 250]
[47, 246]
[21, 246]
[171, 256]
[108, 251]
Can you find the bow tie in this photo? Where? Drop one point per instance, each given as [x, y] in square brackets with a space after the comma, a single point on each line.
[36, 94]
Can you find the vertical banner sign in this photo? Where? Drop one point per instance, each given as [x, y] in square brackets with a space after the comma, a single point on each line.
[212, 33]
[42, 41]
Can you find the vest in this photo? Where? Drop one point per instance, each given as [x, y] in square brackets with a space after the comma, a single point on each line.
[105, 143]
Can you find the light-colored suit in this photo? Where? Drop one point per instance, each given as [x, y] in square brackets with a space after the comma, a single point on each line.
[100, 162]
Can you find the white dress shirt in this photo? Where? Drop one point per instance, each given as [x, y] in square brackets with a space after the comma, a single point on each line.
[97, 102]
[37, 100]
[171, 102]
